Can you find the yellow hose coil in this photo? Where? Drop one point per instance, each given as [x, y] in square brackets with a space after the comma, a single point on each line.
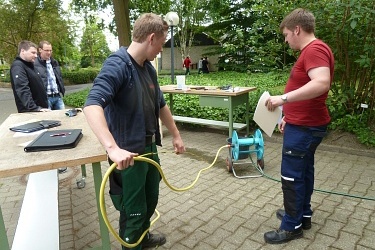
[154, 163]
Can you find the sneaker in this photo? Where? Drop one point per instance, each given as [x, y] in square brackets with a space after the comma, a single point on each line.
[306, 221]
[153, 240]
[62, 170]
[281, 236]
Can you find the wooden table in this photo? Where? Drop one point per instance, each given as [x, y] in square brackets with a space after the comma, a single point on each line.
[15, 161]
[212, 96]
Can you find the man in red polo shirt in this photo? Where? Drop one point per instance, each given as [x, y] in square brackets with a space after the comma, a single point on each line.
[304, 123]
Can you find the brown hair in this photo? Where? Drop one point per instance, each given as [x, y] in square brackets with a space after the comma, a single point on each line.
[147, 24]
[41, 44]
[299, 17]
[26, 45]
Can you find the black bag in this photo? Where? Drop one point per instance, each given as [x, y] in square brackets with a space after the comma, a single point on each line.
[55, 139]
[35, 126]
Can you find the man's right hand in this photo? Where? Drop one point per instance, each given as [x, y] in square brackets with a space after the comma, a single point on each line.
[122, 158]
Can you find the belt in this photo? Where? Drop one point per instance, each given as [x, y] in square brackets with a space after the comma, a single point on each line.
[54, 95]
[150, 139]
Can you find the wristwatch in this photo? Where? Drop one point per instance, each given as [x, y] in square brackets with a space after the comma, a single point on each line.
[284, 97]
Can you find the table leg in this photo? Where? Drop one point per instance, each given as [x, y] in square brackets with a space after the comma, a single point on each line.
[97, 172]
[247, 115]
[4, 245]
[83, 171]
[171, 103]
[230, 116]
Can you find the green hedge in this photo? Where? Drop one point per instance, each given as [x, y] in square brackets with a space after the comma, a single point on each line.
[4, 73]
[77, 99]
[82, 76]
[188, 105]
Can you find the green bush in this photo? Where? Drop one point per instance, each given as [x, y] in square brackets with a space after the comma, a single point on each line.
[4, 73]
[353, 122]
[81, 76]
[188, 105]
[77, 99]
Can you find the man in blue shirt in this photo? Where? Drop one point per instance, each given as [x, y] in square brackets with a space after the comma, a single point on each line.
[49, 70]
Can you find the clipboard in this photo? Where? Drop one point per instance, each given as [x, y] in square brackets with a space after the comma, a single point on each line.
[265, 119]
[54, 140]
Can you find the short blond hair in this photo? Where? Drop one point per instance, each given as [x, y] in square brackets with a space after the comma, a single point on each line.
[147, 24]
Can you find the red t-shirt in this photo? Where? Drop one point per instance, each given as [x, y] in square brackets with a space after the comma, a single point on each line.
[313, 112]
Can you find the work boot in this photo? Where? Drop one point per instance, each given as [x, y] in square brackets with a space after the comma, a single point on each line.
[306, 221]
[153, 240]
[281, 236]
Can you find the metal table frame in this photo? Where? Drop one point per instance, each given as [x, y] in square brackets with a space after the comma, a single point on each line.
[214, 97]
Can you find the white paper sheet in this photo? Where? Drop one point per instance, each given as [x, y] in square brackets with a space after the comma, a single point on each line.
[265, 119]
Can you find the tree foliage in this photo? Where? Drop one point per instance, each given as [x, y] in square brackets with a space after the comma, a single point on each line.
[94, 47]
[248, 31]
[125, 12]
[191, 14]
[33, 20]
[248, 34]
[351, 31]
[251, 41]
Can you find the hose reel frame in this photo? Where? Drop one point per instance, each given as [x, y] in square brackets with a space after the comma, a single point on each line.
[256, 140]
[240, 148]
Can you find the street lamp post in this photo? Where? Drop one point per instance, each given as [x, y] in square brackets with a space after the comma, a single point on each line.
[172, 19]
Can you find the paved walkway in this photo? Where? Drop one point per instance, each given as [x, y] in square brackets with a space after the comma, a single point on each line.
[222, 211]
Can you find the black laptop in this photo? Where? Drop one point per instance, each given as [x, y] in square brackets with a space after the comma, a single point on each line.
[35, 126]
[55, 139]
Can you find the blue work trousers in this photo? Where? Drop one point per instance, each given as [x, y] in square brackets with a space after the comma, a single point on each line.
[297, 172]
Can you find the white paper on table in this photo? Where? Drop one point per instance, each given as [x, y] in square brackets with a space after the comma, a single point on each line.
[265, 119]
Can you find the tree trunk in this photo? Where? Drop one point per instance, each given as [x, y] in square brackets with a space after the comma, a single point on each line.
[92, 57]
[121, 9]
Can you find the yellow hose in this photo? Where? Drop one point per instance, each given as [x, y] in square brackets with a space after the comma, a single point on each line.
[154, 163]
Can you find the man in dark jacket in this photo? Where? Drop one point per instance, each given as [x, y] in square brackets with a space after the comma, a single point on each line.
[28, 89]
[49, 70]
[123, 109]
